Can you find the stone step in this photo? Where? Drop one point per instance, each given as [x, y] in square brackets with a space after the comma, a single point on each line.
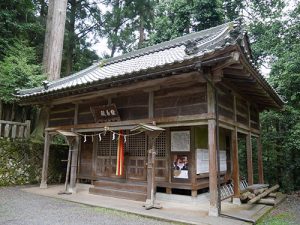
[126, 194]
[122, 185]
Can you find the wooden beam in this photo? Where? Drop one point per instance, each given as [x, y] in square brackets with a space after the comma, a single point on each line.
[235, 72]
[213, 183]
[235, 161]
[151, 105]
[264, 194]
[162, 120]
[235, 56]
[249, 148]
[260, 161]
[76, 114]
[249, 158]
[235, 155]
[171, 80]
[212, 149]
[151, 182]
[45, 160]
[75, 147]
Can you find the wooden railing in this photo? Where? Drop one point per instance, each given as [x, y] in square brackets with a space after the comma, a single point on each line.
[10, 129]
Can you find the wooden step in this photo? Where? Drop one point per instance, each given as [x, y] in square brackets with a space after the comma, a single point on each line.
[126, 194]
[122, 185]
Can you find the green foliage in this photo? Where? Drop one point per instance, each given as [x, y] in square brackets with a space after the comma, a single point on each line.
[176, 18]
[18, 22]
[21, 162]
[13, 170]
[18, 70]
[281, 129]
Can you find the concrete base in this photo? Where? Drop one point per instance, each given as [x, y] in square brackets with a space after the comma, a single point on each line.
[190, 212]
[43, 185]
[213, 211]
[236, 201]
[72, 190]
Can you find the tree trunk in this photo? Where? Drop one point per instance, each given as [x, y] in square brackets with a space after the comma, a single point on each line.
[71, 40]
[47, 34]
[38, 133]
[53, 47]
[54, 38]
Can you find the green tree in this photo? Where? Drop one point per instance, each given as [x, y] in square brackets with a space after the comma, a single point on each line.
[179, 17]
[18, 21]
[280, 129]
[83, 19]
[18, 69]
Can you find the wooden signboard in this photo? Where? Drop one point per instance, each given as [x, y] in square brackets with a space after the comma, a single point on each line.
[105, 113]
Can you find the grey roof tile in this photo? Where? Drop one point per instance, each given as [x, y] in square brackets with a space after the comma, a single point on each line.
[160, 55]
[140, 60]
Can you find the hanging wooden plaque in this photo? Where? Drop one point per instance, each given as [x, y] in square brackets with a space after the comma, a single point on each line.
[105, 113]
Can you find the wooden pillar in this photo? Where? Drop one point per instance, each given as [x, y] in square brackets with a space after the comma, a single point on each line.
[249, 159]
[74, 160]
[151, 183]
[212, 144]
[192, 166]
[260, 161]
[151, 105]
[213, 183]
[235, 159]
[45, 160]
[249, 149]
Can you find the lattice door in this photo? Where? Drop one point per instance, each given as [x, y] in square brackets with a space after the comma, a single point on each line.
[161, 162]
[103, 156]
[113, 157]
[137, 157]
[106, 156]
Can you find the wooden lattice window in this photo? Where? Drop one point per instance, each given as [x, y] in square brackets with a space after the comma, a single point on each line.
[137, 145]
[114, 146]
[107, 146]
[160, 145]
[104, 145]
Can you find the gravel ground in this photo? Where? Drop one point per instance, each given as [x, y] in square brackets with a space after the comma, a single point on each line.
[22, 208]
[286, 213]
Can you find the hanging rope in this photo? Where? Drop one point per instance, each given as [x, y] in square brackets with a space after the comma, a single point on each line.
[106, 129]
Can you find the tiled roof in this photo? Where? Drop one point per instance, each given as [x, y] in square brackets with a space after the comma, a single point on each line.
[157, 57]
[167, 53]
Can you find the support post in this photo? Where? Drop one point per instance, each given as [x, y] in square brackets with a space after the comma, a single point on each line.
[213, 183]
[45, 160]
[212, 149]
[235, 159]
[235, 169]
[260, 161]
[249, 159]
[72, 187]
[151, 105]
[151, 183]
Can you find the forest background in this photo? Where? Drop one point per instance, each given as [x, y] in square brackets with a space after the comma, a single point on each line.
[273, 27]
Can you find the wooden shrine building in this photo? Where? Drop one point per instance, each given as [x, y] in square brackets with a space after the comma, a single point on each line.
[202, 90]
